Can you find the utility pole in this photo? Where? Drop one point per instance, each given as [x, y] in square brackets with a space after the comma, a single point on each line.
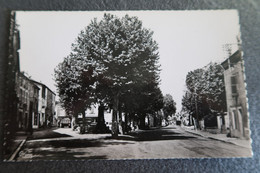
[196, 109]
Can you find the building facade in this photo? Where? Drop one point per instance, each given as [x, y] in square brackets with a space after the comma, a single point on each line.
[46, 107]
[22, 97]
[50, 108]
[236, 96]
[9, 107]
[28, 94]
[60, 113]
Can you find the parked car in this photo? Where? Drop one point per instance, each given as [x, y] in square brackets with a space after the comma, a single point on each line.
[89, 126]
[65, 122]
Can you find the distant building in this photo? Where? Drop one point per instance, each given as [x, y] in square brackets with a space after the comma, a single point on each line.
[60, 113]
[59, 110]
[92, 112]
[46, 107]
[236, 96]
[91, 116]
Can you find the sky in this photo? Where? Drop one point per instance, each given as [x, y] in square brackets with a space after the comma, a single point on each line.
[187, 40]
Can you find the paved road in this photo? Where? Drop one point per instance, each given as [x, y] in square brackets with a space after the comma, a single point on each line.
[167, 142]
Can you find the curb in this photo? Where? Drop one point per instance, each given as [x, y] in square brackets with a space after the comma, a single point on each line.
[216, 139]
[211, 138]
[223, 141]
[17, 151]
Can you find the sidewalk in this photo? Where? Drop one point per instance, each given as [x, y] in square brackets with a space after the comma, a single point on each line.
[220, 137]
[22, 136]
[19, 140]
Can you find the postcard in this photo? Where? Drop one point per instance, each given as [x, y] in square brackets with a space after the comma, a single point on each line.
[125, 85]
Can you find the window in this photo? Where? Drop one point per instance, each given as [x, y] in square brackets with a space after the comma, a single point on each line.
[233, 85]
[35, 121]
[234, 119]
[21, 93]
[43, 92]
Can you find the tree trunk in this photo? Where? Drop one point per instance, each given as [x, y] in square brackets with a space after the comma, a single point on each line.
[114, 130]
[120, 120]
[190, 120]
[155, 120]
[101, 113]
[76, 119]
[142, 121]
[125, 127]
[198, 124]
[223, 125]
[148, 117]
[83, 127]
[131, 122]
[101, 127]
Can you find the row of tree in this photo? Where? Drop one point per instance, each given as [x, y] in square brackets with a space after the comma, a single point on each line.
[113, 62]
[205, 95]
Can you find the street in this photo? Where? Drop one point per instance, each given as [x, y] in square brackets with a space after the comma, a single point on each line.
[167, 142]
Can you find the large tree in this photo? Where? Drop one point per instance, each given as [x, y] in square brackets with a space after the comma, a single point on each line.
[121, 55]
[205, 92]
[148, 99]
[214, 89]
[75, 86]
[169, 106]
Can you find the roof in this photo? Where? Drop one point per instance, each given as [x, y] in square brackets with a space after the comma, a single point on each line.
[39, 83]
[233, 59]
[27, 78]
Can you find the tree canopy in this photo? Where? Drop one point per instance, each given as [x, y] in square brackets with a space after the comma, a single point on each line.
[169, 106]
[111, 59]
[205, 91]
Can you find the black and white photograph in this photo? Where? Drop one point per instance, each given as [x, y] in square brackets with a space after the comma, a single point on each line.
[84, 85]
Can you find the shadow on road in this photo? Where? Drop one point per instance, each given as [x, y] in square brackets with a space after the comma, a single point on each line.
[72, 149]
[73, 143]
[153, 135]
[61, 155]
[45, 134]
[64, 149]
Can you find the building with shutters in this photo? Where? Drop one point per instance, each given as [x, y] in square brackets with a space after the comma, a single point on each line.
[28, 94]
[236, 96]
[46, 107]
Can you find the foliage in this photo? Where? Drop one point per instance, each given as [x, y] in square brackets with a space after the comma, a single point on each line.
[120, 50]
[205, 91]
[75, 85]
[113, 61]
[169, 106]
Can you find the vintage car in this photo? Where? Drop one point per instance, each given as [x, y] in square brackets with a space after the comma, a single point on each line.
[89, 126]
[65, 122]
